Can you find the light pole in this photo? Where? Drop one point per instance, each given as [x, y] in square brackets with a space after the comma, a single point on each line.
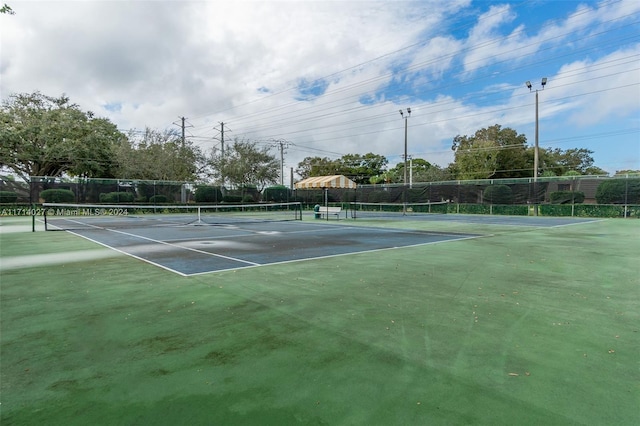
[536, 149]
[405, 140]
[410, 171]
[535, 152]
[404, 191]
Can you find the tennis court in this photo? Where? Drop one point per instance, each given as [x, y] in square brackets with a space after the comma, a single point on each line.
[193, 249]
[190, 242]
[533, 322]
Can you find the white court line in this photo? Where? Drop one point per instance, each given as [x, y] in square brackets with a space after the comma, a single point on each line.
[579, 223]
[185, 248]
[319, 229]
[129, 254]
[284, 262]
[162, 243]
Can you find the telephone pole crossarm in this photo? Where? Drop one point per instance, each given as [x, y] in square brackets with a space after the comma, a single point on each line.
[281, 144]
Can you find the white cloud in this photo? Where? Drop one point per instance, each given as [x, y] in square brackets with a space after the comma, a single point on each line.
[147, 63]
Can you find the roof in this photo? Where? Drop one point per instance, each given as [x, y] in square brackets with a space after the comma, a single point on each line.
[318, 182]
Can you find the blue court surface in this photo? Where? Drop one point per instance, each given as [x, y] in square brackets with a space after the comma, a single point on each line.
[192, 250]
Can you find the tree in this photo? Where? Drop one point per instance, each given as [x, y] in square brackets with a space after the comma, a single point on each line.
[158, 155]
[422, 171]
[577, 160]
[317, 166]
[244, 163]
[619, 191]
[386, 177]
[436, 173]
[357, 167]
[627, 172]
[492, 152]
[46, 136]
[361, 168]
[6, 9]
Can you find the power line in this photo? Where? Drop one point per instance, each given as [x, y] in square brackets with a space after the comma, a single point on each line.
[581, 37]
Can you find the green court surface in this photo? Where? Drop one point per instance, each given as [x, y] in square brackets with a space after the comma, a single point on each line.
[526, 325]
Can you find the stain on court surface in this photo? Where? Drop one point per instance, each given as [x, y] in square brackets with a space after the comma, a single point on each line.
[193, 250]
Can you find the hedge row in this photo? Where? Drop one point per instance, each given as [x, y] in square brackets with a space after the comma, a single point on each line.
[589, 210]
[8, 197]
[58, 196]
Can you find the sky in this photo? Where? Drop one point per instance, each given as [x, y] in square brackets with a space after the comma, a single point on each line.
[328, 78]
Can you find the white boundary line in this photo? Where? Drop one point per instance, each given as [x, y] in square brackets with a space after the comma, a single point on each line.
[163, 243]
[579, 223]
[185, 248]
[254, 264]
[284, 262]
[129, 254]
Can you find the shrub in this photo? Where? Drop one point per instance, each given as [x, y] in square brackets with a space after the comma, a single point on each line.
[590, 210]
[566, 197]
[555, 209]
[472, 208]
[618, 191]
[117, 197]
[252, 191]
[8, 197]
[511, 210]
[208, 194]
[231, 198]
[278, 194]
[498, 194]
[158, 199]
[58, 196]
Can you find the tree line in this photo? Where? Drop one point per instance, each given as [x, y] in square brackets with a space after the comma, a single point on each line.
[42, 135]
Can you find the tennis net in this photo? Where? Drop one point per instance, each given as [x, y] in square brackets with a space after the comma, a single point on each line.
[371, 210]
[85, 216]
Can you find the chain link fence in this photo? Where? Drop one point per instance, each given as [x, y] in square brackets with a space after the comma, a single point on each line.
[590, 196]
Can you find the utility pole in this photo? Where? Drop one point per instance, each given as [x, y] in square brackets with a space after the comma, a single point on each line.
[291, 180]
[536, 147]
[404, 190]
[282, 144]
[222, 138]
[405, 140]
[183, 131]
[182, 125]
[222, 179]
[410, 171]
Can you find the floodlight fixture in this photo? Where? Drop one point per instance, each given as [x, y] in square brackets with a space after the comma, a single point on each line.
[409, 111]
[544, 81]
[528, 83]
[402, 113]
